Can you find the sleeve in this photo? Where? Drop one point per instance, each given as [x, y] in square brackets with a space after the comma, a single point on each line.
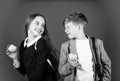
[21, 69]
[64, 67]
[106, 64]
[42, 55]
[55, 62]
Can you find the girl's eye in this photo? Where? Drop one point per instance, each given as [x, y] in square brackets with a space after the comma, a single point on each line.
[42, 25]
[37, 23]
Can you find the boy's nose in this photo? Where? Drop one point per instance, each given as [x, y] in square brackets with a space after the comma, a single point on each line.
[66, 30]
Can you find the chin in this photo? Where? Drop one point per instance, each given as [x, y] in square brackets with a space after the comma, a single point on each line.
[70, 37]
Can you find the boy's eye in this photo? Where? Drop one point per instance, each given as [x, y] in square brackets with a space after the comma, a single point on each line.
[67, 27]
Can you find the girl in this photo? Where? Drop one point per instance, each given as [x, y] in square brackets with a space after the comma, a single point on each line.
[36, 57]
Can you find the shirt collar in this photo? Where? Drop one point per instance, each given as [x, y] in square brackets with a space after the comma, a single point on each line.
[32, 42]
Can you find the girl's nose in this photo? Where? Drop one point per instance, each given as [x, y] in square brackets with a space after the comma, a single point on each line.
[38, 27]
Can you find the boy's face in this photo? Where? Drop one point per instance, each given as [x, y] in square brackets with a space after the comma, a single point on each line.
[71, 29]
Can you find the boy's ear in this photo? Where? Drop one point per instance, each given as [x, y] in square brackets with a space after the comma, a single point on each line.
[85, 24]
[81, 25]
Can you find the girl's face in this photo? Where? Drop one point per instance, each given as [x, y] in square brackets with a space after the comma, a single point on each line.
[37, 26]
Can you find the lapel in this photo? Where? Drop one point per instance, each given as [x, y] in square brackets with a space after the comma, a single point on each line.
[92, 49]
[72, 46]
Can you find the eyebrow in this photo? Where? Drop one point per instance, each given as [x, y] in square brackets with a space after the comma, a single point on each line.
[39, 22]
[36, 21]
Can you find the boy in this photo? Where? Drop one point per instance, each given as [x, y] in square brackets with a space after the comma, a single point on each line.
[82, 58]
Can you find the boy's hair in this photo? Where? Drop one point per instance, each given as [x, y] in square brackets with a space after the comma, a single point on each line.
[75, 17]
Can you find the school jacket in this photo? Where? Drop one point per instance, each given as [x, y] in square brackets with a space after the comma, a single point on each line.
[34, 64]
[101, 61]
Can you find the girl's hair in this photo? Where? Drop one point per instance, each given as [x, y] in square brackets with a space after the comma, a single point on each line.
[45, 35]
